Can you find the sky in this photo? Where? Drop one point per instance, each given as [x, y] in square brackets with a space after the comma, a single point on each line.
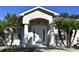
[19, 9]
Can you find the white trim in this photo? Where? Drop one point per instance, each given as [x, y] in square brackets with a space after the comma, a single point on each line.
[37, 14]
[21, 14]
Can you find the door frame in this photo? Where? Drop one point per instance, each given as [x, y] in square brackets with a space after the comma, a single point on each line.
[43, 32]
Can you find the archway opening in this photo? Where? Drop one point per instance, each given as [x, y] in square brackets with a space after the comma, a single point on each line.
[40, 27]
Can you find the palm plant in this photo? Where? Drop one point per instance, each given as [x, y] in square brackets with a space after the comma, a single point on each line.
[68, 25]
[10, 21]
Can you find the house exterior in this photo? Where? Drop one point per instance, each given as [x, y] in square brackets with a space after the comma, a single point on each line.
[37, 22]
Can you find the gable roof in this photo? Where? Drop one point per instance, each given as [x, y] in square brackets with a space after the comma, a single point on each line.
[39, 9]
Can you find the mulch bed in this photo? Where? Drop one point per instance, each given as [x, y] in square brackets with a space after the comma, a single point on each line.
[18, 50]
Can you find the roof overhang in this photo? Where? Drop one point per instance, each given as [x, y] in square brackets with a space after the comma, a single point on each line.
[40, 9]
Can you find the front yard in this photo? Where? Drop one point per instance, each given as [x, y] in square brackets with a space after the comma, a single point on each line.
[38, 49]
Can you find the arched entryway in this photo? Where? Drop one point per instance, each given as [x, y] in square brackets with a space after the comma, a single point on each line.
[40, 27]
[38, 20]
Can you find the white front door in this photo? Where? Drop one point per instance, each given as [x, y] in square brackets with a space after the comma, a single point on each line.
[40, 30]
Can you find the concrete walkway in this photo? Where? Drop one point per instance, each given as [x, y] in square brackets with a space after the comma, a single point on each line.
[58, 50]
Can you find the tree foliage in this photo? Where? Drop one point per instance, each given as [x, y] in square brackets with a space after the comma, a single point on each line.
[68, 25]
[10, 21]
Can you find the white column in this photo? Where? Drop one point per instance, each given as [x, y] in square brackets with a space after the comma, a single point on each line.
[25, 40]
[52, 36]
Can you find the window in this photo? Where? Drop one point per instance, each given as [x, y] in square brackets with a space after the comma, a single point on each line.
[43, 35]
[34, 35]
